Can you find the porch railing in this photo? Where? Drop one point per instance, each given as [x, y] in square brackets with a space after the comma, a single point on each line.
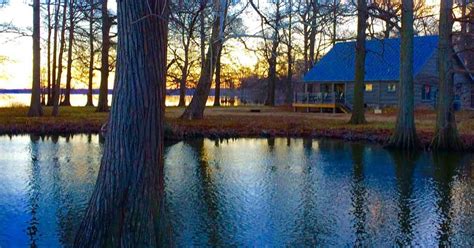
[322, 97]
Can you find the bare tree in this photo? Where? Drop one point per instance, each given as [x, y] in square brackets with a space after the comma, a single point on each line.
[183, 23]
[60, 61]
[195, 110]
[271, 44]
[35, 104]
[104, 69]
[67, 93]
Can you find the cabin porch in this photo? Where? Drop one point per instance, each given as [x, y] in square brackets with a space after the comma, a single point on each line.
[322, 97]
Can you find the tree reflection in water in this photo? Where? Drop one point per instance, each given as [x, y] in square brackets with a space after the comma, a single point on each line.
[359, 195]
[34, 190]
[445, 165]
[209, 192]
[405, 162]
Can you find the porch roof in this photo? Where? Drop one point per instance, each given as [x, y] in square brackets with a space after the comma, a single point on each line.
[382, 61]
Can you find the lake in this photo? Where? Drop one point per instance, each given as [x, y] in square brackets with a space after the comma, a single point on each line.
[21, 99]
[250, 192]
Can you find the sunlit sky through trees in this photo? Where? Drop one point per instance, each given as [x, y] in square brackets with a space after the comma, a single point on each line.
[16, 48]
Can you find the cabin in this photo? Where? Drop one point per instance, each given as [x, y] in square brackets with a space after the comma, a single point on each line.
[329, 85]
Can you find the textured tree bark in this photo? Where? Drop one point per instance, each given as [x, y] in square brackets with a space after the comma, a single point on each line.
[104, 68]
[217, 88]
[91, 55]
[358, 110]
[404, 136]
[35, 104]
[125, 207]
[195, 110]
[67, 93]
[446, 135]
[60, 63]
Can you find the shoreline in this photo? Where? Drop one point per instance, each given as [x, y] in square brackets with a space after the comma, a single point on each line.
[237, 122]
[178, 133]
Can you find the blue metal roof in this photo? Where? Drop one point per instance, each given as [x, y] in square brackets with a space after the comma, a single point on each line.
[382, 61]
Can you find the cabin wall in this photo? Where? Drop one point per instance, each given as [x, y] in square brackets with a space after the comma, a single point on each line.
[462, 90]
[380, 96]
[427, 76]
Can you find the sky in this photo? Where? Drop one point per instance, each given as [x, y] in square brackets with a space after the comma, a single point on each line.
[16, 73]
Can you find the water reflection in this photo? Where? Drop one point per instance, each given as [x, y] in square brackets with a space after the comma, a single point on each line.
[405, 163]
[358, 195]
[250, 192]
[33, 191]
[444, 174]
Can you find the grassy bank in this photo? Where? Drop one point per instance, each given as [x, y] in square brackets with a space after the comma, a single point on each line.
[238, 122]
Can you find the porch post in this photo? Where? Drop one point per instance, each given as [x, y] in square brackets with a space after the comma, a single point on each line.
[334, 98]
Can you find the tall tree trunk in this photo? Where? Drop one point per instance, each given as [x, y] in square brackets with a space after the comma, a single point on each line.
[334, 21]
[195, 110]
[67, 94]
[35, 104]
[49, 91]
[217, 88]
[289, 74]
[184, 75]
[446, 135]
[91, 54]
[272, 60]
[182, 85]
[306, 35]
[202, 34]
[125, 207]
[104, 69]
[55, 51]
[57, 87]
[272, 77]
[358, 111]
[312, 34]
[405, 137]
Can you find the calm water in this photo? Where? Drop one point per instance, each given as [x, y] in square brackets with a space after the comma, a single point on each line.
[250, 192]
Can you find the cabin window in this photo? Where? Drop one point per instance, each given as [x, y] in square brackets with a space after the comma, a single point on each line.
[426, 92]
[369, 87]
[391, 87]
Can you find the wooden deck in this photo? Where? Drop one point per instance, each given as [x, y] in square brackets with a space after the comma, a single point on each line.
[334, 107]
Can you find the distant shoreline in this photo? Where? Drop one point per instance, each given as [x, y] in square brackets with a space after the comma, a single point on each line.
[171, 92]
